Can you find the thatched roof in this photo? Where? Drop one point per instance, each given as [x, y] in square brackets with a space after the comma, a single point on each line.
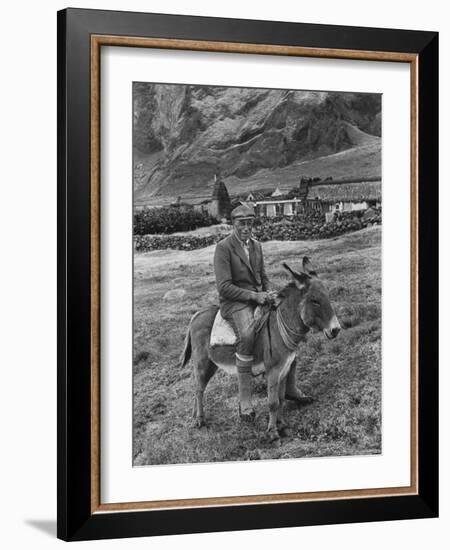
[346, 192]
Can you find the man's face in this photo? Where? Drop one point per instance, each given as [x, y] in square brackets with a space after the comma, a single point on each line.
[243, 228]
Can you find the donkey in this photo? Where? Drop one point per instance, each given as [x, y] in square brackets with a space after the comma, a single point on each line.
[302, 305]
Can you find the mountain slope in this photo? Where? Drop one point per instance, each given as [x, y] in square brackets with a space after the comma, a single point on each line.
[183, 134]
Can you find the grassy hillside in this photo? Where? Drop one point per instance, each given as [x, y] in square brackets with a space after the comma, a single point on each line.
[344, 375]
[360, 162]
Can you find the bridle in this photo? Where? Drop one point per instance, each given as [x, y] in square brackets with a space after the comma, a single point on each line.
[289, 336]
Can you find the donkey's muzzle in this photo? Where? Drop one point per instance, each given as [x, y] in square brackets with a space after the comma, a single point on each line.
[333, 330]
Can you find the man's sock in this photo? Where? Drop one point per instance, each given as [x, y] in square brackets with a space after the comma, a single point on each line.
[244, 372]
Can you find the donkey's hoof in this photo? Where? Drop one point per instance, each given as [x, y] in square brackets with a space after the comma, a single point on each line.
[283, 428]
[285, 431]
[248, 415]
[299, 398]
[273, 436]
[199, 422]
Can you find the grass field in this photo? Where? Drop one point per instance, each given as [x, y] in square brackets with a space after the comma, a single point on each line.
[343, 375]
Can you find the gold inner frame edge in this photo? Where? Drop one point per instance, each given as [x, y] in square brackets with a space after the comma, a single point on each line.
[263, 49]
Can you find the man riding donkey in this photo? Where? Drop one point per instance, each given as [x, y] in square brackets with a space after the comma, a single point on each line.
[243, 284]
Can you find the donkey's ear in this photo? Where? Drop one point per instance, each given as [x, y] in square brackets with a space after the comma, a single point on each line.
[308, 268]
[290, 270]
[300, 279]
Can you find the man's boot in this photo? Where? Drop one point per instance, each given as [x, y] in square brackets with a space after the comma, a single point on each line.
[292, 392]
[244, 372]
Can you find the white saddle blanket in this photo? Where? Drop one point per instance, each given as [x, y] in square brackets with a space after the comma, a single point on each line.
[222, 333]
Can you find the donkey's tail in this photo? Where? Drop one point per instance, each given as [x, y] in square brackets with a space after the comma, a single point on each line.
[187, 348]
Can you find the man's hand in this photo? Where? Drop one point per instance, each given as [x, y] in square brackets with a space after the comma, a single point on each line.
[261, 298]
[272, 297]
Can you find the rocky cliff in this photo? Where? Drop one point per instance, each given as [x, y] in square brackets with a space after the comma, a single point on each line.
[183, 134]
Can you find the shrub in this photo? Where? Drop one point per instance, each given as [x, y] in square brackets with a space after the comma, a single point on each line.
[144, 243]
[169, 219]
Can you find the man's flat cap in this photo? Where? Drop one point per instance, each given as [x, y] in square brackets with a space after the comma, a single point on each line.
[242, 212]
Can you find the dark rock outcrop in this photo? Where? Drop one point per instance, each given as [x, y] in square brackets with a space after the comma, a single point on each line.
[183, 134]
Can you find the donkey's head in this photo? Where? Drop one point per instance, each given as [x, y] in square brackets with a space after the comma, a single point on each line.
[315, 308]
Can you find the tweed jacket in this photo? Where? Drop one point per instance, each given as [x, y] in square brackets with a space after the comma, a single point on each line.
[238, 278]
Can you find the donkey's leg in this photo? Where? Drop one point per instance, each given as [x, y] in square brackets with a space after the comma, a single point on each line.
[203, 373]
[203, 367]
[294, 393]
[273, 391]
[281, 396]
[283, 427]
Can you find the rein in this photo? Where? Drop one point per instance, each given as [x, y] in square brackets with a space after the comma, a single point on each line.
[290, 337]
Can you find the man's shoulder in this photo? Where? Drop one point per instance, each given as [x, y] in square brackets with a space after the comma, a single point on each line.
[223, 244]
[256, 242]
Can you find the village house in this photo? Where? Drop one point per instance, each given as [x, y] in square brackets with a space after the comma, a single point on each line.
[346, 197]
[275, 204]
[273, 208]
[326, 198]
[254, 196]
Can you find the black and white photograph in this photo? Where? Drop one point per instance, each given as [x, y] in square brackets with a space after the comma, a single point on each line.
[257, 273]
[225, 275]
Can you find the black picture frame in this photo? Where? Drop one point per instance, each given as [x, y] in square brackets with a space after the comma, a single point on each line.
[76, 519]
